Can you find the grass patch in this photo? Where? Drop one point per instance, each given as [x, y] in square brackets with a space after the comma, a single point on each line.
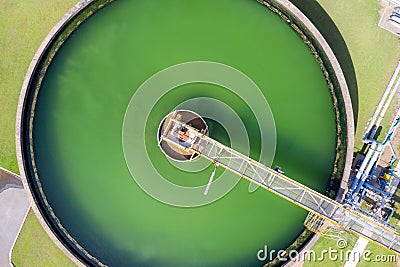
[322, 258]
[23, 26]
[374, 255]
[374, 51]
[377, 256]
[35, 248]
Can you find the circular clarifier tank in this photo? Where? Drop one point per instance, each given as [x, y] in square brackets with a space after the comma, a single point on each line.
[90, 133]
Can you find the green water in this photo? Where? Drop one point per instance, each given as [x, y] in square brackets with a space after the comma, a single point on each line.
[78, 131]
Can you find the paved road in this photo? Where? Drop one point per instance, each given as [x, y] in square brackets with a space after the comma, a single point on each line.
[14, 206]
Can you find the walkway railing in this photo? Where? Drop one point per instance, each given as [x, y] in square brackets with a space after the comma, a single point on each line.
[323, 209]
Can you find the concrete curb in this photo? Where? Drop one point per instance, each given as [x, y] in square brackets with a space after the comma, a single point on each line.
[21, 104]
[19, 232]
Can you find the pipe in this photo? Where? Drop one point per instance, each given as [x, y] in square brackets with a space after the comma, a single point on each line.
[390, 183]
[371, 163]
[391, 214]
[383, 203]
[380, 208]
[361, 170]
[388, 103]
[381, 102]
[362, 195]
[370, 186]
[393, 128]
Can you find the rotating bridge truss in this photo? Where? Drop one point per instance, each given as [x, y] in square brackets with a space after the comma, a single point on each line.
[324, 213]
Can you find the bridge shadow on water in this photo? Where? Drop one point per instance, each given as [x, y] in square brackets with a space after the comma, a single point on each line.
[331, 33]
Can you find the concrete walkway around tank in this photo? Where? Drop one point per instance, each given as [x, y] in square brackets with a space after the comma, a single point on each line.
[356, 254]
[14, 206]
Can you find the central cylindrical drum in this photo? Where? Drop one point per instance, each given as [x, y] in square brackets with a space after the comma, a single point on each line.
[174, 124]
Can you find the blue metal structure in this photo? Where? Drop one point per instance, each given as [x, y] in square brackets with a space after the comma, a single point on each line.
[378, 188]
[362, 181]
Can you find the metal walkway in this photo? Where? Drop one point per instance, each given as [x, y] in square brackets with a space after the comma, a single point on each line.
[324, 212]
